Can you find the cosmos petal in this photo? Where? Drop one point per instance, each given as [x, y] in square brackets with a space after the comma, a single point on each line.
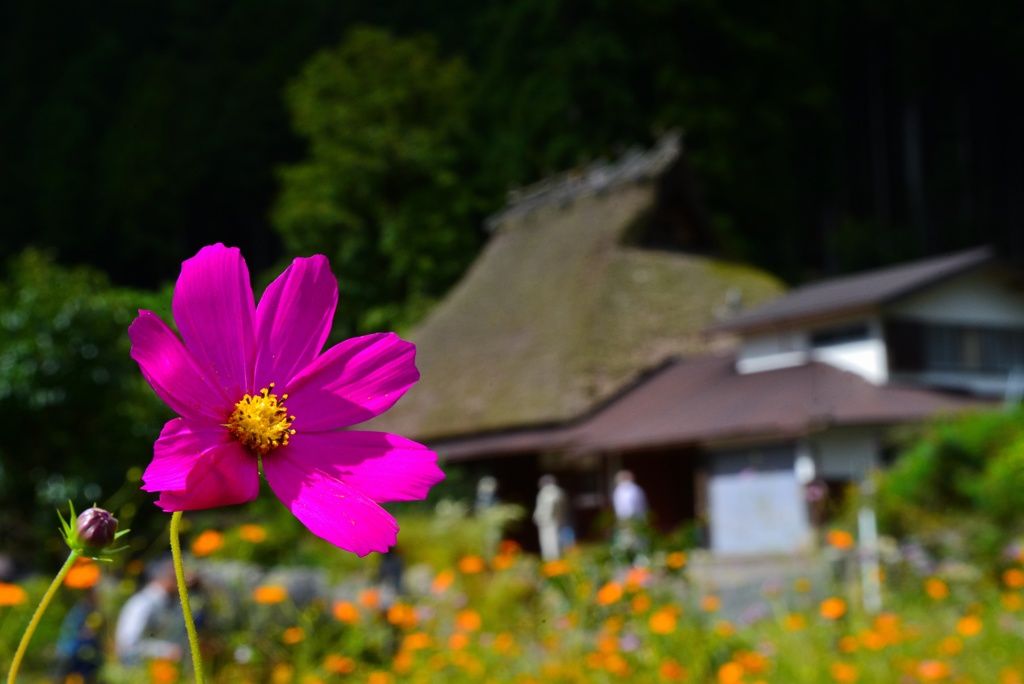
[180, 445]
[213, 309]
[352, 382]
[172, 371]
[226, 474]
[293, 320]
[330, 508]
[382, 467]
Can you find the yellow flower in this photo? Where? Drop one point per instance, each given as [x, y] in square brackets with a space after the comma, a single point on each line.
[794, 622]
[832, 608]
[724, 628]
[379, 678]
[676, 560]
[207, 542]
[269, 594]
[254, 534]
[12, 594]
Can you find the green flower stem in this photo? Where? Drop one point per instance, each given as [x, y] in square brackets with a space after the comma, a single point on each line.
[186, 609]
[34, 622]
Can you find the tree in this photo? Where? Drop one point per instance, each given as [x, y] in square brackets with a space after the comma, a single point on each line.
[386, 191]
[78, 416]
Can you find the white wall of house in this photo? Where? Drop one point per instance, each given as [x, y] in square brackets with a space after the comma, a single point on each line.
[784, 348]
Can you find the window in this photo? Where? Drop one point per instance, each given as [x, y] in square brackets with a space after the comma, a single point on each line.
[917, 346]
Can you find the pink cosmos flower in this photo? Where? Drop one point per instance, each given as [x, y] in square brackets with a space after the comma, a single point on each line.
[253, 392]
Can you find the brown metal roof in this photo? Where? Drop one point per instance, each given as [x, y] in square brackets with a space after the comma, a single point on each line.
[853, 293]
[705, 400]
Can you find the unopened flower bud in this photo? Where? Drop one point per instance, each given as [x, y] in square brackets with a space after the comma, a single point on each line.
[95, 530]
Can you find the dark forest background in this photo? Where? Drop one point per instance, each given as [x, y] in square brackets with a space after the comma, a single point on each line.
[826, 137]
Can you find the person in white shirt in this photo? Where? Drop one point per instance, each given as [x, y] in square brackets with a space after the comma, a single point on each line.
[630, 505]
[150, 624]
[550, 515]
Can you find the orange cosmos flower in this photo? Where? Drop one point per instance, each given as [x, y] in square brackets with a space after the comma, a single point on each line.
[554, 568]
[162, 671]
[932, 670]
[207, 542]
[1011, 602]
[840, 539]
[1009, 675]
[752, 661]
[1014, 578]
[832, 608]
[458, 641]
[724, 628]
[609, 594]
[950, 646]
[503, 642]
[379, 678]
[369, 598]
[467, 620]
[710, 603]
[293, 635]
[848, 644]
[336, 664]
[616, 665]
[83, 574]
[269, 594]
[402, 615]
[415, 641]
[671, 671]
[843, 672]
[254, 534]
[12, 594]
[794, 622]
[663, 620]
[936, 589]
[640, 603]
[471, 565]
[346, 612]
[969, 625]
[503, 561]
[730, 673]
[443, 580]
[676, 560]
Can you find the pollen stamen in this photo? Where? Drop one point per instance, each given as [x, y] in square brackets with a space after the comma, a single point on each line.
[260, 422]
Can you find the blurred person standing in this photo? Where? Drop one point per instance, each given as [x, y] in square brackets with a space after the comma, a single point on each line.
[630, 505]
[150, 625]
[550, 515]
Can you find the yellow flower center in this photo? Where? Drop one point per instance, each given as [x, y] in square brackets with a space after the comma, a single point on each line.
[260, 422]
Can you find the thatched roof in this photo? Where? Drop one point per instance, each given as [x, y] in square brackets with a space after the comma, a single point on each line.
[557, 314]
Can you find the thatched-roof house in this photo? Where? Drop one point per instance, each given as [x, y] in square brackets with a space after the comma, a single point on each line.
[583, 287]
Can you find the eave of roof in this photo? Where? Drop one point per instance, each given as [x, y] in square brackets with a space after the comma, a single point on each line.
[704, 401]
[854, 294]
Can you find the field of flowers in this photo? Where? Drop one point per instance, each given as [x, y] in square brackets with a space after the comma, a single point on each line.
[468, 616]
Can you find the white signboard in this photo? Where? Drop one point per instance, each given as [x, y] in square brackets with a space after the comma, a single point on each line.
[755, 512]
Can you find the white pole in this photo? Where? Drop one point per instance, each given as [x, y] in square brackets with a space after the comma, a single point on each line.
[870, 580]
